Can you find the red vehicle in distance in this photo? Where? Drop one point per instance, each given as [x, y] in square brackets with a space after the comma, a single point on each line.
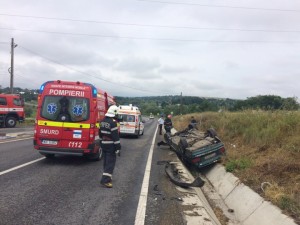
[11, 110]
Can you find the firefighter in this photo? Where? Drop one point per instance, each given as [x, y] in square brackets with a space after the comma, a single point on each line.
[110, 144]
[193, 123]
[168, 124]
[64, 114]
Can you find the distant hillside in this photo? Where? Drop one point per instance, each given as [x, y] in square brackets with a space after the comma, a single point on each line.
[190, 104]
[177, 104]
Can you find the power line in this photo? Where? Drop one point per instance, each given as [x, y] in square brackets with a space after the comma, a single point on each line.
[152, 25]
[27, 78]
[147, 38]
[90, 75]
[222, 6]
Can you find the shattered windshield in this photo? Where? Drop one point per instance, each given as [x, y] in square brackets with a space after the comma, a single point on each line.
[66, 109]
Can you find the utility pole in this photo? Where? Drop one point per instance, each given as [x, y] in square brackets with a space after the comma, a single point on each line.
[181, 103]
[13, 45]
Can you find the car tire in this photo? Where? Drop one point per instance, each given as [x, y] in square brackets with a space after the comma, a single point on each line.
[182, 148]
[211, 132]
[10, 122]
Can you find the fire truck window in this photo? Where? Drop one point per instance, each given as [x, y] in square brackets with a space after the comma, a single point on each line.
[3, 101]
[17, 102]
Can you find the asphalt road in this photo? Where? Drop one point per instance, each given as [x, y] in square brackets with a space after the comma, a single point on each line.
[66, 190]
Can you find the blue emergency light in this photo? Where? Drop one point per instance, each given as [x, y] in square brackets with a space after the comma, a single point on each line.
[94, 89]
[42, 88]
[94, 92]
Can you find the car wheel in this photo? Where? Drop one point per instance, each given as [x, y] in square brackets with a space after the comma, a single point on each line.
[211, 132]
[10, 122]
[183, 143]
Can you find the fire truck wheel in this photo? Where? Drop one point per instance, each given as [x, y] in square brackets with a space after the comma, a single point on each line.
[10, 122]
[100, 153]
[96, 156]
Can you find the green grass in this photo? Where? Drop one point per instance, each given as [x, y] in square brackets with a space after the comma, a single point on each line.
[238, 164]
[261, 146]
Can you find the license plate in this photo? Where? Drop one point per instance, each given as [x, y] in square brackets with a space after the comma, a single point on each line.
[209, 156]
[48, 142]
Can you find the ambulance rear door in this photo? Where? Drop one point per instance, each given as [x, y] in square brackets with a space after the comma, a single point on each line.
[128, 124]
[65, 122]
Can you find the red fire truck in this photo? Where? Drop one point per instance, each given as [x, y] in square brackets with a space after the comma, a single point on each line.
[11, 110]
[67, 120]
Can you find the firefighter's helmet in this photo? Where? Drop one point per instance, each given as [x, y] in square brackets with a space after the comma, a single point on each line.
[112, 111]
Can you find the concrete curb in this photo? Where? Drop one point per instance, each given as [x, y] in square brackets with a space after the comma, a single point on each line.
[249, 207]
[188, 176]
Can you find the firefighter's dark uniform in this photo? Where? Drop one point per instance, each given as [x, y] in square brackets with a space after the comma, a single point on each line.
[168, 125]
[110, 143]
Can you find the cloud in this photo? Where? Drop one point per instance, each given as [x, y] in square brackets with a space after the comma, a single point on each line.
[142, 48]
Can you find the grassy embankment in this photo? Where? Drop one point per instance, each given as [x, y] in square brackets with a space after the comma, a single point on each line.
[263, 151]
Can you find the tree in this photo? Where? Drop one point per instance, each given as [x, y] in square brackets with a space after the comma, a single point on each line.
[267, 102]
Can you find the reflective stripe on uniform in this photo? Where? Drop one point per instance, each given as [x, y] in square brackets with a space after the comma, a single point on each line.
[107, 174]
[63, 124]
[107, 142]
[117, 142]
[115, 128]
[105, 132]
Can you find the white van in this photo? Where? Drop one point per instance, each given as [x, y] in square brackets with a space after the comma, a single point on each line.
[131, 123]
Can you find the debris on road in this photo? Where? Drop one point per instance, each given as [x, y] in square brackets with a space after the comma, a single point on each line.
[173, 175]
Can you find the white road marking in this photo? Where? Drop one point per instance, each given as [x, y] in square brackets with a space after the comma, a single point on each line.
[141, 210]
[20, 166]
[21, 139]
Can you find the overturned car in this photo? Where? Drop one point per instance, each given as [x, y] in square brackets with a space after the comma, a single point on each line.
[196, 147]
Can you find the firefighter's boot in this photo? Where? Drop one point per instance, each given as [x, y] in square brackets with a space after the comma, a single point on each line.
[108, 185]
[106, 181]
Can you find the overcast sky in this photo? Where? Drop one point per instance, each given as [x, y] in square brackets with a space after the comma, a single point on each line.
[226, 48]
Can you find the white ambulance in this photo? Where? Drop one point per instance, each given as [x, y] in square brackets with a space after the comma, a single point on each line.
[131, 123]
